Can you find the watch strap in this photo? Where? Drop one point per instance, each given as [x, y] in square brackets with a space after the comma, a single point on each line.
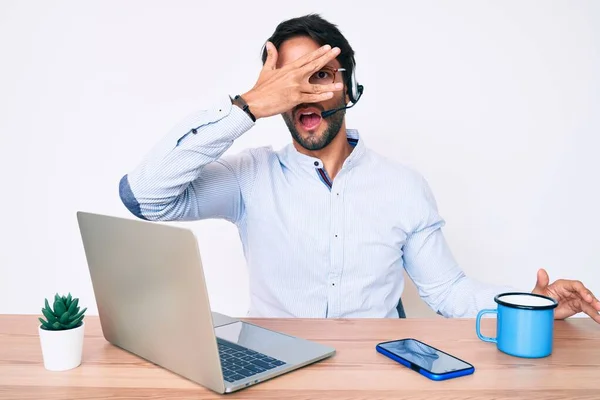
[239, 101]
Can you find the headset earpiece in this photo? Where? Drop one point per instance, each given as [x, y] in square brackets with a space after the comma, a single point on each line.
[354, 89]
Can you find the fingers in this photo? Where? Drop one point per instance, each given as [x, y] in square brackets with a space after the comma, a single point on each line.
[316, 98]
[307, 58]
[318, 63]
[316, 93]
[314, 88]
[542, 281]
[271, 61]
[577, 288]
[589, 310]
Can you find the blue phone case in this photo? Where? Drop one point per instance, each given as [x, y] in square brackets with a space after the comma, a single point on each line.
[424, 372]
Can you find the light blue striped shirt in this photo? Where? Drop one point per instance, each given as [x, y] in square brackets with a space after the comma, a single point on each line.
[312, 250]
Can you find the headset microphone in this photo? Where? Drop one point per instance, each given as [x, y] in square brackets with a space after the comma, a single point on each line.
[328, 113]
[355, 95]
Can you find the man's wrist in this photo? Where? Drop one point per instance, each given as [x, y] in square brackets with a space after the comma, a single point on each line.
[239, 101]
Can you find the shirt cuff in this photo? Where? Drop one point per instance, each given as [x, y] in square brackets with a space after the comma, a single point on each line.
[233, 120]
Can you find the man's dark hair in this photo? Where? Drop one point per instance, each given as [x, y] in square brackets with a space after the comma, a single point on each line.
[321, 31]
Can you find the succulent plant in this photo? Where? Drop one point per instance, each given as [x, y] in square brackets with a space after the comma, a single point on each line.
[65, 315]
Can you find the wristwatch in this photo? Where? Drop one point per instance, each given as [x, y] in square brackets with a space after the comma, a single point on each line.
[241, 103]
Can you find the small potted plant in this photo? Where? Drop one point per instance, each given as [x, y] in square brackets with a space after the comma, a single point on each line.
[61, 333]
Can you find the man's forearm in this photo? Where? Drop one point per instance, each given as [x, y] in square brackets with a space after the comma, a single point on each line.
[465, 297]
[156, 188]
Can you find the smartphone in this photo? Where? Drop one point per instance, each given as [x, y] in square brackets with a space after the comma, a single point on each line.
[425, 359]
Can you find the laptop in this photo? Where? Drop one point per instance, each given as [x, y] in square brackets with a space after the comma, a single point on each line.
[150, 290]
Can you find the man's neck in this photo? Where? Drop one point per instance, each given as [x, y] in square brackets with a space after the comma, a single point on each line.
[333, 155]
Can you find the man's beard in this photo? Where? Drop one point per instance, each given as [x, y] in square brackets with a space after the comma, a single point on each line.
[315, 142]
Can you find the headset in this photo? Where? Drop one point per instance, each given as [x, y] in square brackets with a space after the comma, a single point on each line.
[355, 91]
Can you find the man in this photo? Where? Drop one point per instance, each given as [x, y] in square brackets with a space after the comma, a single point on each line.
[327, 225]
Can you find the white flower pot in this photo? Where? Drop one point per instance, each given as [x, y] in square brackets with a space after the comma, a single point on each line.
[62, 350]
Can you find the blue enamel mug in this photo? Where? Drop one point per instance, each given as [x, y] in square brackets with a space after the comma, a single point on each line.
[524, 324]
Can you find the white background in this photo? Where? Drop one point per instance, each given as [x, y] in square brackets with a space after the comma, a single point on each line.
[497, 104]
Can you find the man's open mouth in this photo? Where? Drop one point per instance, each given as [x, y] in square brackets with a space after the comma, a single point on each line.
[309, 118]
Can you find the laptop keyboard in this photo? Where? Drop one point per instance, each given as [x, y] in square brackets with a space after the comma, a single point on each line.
[239, 362]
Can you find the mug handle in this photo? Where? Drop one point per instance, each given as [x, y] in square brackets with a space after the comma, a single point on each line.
[478, 326]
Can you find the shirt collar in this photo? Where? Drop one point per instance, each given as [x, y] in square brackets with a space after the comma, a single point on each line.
[293, 157]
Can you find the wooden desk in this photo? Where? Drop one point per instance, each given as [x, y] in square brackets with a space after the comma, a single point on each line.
[357, 371]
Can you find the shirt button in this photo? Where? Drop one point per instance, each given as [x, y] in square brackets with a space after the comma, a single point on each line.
[316, 163]
[194, 131]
